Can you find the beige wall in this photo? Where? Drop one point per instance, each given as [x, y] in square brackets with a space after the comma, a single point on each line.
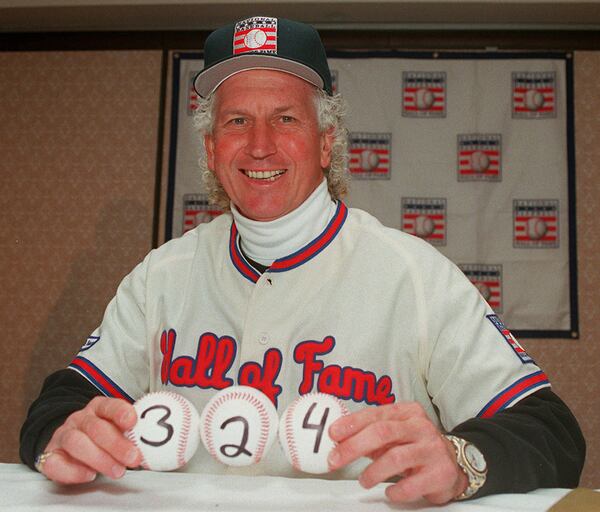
[78, 136]
[78, 132]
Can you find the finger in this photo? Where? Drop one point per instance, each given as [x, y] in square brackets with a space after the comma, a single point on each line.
[418, 485]
[116, 410]
[350, 424]
[409, 458]
[63, 469]
[80, 447]
[110, 439]
[372, 439]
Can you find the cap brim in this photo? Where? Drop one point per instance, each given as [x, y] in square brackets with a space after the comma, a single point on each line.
[209, 79]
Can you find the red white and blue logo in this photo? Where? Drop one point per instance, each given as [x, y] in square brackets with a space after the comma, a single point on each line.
[534, 95]
[488, 280]
[424, 94]
[479, 157]
[510, 339]
[197, 210]
[425, 218]
[257, 35]
[535, 223]
[370, 155]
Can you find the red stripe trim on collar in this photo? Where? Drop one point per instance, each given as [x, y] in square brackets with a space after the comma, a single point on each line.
[316, 246]
[238, 259]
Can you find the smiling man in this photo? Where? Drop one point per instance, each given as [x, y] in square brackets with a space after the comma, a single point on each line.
[292, 292]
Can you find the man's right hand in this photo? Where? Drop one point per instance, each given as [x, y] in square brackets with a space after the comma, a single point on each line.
[91, 441]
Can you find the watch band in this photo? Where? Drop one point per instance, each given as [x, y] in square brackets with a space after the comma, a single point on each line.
[476, 475]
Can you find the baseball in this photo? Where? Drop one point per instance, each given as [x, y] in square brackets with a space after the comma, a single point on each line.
[424, 226]
[480, 162]
[255, 38]
[534, 99]
[166, 431]
[424, 99]
[536, 228]
[239, 425]
[369, 160]
[303, 431]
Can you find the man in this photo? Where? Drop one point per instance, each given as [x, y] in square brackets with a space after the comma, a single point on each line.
[292, 292]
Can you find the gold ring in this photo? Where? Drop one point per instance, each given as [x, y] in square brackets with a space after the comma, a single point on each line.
[41, 459]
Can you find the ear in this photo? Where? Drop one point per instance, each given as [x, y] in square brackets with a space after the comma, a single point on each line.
[326, 145]
[209, 146]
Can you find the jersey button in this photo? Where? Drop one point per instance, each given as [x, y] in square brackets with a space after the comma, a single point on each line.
[263, 338]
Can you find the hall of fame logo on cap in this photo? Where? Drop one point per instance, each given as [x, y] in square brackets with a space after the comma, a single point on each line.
[258, 35]
[534, 95]
[479, 157]
[535, 223]
[424, 94]
[192, 96]
[510, 339]
[488, 280]
[425, 218]
[370, 155]
[197, 210]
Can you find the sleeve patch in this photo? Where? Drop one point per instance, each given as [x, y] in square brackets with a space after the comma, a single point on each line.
[89, 343]
[510, 339]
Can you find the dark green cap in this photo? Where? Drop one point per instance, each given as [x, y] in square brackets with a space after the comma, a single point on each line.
[261, 42]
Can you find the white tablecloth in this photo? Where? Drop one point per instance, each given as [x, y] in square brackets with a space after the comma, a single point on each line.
[24, 490]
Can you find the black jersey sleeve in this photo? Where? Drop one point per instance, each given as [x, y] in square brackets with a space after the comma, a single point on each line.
[63, 393]
[536, 443]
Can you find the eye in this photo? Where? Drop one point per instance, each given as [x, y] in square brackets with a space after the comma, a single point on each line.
[287, 119]
[237, 121]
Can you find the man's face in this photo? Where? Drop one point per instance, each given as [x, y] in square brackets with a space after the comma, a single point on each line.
[266, 149]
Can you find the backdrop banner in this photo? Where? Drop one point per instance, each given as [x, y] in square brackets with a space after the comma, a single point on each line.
[473, 152]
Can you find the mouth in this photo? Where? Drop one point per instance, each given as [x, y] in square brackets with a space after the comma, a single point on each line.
[264, 175]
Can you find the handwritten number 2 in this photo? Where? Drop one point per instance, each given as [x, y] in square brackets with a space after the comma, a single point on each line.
[319, 427]
[161, 422]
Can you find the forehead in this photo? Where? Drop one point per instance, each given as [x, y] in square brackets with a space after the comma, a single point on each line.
[265, 85]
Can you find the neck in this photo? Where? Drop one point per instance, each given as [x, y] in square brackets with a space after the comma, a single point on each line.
[264, 242]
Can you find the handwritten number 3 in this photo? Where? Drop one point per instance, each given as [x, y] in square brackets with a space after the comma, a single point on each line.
[319, 427]
[161, 422]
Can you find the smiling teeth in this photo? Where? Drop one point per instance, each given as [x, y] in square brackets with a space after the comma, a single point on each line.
[264, 175]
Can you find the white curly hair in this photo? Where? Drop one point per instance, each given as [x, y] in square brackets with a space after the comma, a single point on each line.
[330, 114]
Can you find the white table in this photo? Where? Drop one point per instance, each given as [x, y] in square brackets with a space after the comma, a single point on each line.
[24, 490]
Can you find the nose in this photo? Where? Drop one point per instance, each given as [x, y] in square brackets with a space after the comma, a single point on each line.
[261, 140]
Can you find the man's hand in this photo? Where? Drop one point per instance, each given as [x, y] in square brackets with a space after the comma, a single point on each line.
[403, 442]
[91, 441]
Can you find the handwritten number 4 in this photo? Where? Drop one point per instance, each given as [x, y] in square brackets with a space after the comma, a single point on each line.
[319, 427]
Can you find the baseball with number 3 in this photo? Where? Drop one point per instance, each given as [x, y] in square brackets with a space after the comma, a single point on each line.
[167, 430]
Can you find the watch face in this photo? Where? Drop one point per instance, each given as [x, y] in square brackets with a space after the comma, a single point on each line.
[475, 458]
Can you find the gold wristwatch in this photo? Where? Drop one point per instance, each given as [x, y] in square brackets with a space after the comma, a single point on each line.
[472, 462]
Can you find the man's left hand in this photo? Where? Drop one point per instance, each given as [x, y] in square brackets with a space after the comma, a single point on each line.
[403, 442]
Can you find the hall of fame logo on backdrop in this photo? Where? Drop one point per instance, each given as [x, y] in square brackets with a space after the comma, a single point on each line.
[197, 210]
[534, 95]
[335, 81]
[479, 157]
[488, 280]
[370, 155]
[425, 218]
[192, 96]
[258, 34]
[535, 223]
[424, 94]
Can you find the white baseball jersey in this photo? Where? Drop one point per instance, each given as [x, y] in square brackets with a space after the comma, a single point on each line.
[367, 313]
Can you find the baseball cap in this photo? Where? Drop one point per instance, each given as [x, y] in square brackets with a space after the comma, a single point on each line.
[262, 42]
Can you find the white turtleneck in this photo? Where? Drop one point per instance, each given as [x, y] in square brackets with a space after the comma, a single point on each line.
[264, 242]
